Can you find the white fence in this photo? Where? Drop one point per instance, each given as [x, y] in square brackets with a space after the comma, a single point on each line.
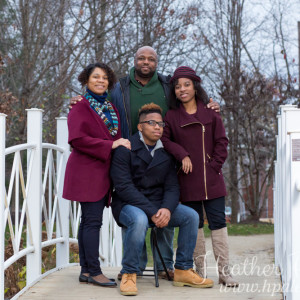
[34, 191]
[287, 201]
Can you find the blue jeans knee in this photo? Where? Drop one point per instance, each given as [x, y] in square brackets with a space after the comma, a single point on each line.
[136, 223]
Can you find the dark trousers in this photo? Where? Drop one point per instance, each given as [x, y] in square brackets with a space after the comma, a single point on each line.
[214, 209]
[88, 236]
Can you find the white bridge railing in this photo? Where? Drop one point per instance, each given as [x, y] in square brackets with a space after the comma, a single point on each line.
[34, 194]
[287, 201]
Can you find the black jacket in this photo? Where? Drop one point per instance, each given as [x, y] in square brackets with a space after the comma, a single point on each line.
[147, 182]
[120, 97]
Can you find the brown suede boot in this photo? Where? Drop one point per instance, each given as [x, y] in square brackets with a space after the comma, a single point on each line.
[191, 278]
[200, 254]
[128, 285]
[221, 253]
[163, 275]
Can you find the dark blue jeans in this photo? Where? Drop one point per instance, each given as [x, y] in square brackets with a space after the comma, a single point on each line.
[137, 223]
[165, 237]
[88, 236]
[214, 209]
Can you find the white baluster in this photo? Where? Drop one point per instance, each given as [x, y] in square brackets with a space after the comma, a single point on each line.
[62, 249]
[34, 135]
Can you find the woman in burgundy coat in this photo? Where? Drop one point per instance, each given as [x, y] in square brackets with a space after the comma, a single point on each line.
[196, 137]
[94, 131]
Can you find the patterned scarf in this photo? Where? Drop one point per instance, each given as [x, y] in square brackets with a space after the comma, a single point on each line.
[100, 109]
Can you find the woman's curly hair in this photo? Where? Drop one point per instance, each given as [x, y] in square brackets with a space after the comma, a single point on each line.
[84, 76]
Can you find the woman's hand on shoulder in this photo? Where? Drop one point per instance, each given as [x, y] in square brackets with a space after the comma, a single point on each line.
[74, 100]
[213, 105]
[187, 165]
[121, 142]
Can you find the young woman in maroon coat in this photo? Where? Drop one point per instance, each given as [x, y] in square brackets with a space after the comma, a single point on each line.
[196, 137]
[94, 131]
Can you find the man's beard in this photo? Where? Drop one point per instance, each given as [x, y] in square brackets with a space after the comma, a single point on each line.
[140, 74]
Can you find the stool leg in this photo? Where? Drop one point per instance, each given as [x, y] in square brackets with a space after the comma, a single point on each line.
[154, 244]
[158, 251]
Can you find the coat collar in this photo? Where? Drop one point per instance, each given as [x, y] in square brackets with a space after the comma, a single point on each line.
[139, 148]
[200, 117]
[158, 144]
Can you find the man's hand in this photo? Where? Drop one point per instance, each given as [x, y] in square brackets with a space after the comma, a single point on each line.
[213, 105]
[161, 218]
[187, 165]
[74, 100]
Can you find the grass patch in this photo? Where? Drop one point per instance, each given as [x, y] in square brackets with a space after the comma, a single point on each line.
[250, 229]
[245, 229]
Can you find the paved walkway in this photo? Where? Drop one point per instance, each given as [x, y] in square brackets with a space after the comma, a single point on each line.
[252, 258]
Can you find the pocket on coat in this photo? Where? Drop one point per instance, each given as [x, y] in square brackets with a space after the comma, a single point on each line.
[212, 176]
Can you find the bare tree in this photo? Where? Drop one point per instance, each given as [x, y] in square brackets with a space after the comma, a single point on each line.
[234, 43]
[221, 29]
[162, 24]
[44, 44]
[257, 147]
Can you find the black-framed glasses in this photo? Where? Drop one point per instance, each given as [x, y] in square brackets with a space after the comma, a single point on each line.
[154, 123]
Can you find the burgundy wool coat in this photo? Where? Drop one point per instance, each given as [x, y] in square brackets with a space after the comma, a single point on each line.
[87, 172]
[201, 136]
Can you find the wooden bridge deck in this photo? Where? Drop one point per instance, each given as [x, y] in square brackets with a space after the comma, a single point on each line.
[251, 256]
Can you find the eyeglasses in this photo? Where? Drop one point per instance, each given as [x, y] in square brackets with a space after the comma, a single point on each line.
[154, 123]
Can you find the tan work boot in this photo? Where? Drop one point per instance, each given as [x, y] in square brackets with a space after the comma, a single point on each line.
[191, 278]
[221, 252]
[128, 285]
[200, 254]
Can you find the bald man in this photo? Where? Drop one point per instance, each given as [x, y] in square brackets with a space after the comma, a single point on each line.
[143, 85]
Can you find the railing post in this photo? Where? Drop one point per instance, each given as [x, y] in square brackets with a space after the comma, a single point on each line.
[286, 206]
[295, 213]
[34, 197]
[2, 206]
[62, 249]
[118, 245]
[289, 117]
[277, 201]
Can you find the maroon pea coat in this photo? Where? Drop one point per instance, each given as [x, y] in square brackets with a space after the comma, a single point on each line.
[87, 173]
[201, 136]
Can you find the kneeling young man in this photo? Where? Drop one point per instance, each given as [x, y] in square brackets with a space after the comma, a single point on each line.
[147, 191]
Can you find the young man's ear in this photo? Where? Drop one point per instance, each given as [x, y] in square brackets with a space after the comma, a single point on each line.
[139, 127]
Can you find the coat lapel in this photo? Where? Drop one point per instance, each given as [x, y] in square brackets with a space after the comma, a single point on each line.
[98, 120]
[160, 156]
[140, 149]
[138, 146]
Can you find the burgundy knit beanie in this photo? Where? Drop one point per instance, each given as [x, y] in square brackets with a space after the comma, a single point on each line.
[185, 72]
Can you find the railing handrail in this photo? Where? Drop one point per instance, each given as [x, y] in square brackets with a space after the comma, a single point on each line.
[53, 147]
[58, 213]
[17, 256]
[20, 147]
[21, 253]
